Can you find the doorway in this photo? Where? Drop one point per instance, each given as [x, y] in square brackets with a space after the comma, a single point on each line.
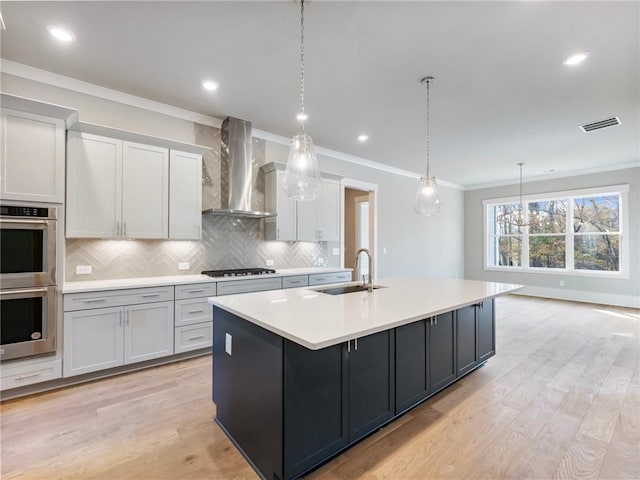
[359, 226]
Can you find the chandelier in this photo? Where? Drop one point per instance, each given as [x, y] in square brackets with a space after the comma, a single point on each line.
[427, 201]
[515, 217]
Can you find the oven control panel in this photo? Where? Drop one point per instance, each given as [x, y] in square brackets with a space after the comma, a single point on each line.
[32, 212]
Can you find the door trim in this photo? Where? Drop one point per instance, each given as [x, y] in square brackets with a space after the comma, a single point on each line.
[372, 188]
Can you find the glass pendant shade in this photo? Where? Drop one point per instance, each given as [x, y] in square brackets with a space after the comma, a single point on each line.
[427, 201]
[301, 175]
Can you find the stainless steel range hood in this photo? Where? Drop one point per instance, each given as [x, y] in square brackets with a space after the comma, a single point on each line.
[235, 156]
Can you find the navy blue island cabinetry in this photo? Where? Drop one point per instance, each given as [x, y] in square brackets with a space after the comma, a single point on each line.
[289, 408]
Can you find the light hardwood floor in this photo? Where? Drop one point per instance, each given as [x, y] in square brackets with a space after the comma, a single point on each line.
[561, 399]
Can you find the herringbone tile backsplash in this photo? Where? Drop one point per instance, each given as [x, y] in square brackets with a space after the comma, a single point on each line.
[227, 242]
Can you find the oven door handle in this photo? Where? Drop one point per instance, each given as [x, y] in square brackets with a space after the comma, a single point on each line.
[29, 222]
[19, 292]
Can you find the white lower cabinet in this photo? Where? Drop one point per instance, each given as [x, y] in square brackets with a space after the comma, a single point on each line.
[193, 317]
[148, 332]
[27, 372]
[325, 278]
[193, 337]
[103, 338]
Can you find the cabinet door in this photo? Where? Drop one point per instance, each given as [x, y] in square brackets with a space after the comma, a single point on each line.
[31, 157]
[283, 226]
[466, 332]
[329, 212]
[148, 331]
[315, 422]
[371, 382]
[442, 358]
[145, 191]
[185, 195]
[94, 186]
[92, 340]
[411, 365]
[486, 331]
[307, 216]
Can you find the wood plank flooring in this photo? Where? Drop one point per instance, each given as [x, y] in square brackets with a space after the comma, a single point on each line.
[561, 399]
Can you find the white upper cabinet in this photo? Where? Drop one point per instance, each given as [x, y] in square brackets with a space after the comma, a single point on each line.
[145, 191]
[31, 157]
[94, 186]
[307, 221]
[123, 189]
[319, 219]
[328, 225]
[185, 195]
[283, 226]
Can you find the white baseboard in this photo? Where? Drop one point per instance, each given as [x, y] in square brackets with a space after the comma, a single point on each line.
[582, 296]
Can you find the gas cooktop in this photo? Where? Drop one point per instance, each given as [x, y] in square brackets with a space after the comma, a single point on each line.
[238, 272]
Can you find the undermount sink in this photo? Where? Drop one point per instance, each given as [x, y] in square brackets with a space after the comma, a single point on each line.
[347, 289]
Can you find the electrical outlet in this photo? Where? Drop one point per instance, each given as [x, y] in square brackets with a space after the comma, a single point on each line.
[562, 283]
[227, 343]
[83, 269]
[184, 266]
[269, 263]
[336, 251]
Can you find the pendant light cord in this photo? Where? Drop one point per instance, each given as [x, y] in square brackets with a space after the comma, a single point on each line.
[428, 82]
[302, 63]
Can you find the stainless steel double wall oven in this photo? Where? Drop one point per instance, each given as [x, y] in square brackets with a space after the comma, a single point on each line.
[27, 280]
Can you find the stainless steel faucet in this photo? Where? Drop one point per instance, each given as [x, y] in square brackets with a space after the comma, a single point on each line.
[355, 267]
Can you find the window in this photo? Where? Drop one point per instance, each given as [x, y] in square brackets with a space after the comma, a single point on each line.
[580, 232]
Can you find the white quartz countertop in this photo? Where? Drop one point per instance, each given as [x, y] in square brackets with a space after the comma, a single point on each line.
[122, 283]
[317, 320]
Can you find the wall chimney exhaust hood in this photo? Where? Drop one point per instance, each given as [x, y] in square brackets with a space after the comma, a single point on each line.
[235, 156]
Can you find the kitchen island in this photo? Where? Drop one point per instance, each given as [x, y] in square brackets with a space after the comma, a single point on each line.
[300, 375]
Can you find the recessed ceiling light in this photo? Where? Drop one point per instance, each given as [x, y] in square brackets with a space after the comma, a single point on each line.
[62, 34]
[576, 58]
[210, 85]
[363, 138]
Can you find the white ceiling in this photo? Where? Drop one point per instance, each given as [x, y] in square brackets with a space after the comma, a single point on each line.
[501, 95]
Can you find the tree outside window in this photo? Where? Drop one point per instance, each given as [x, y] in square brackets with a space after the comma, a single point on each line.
[571, 233]
[596, 227]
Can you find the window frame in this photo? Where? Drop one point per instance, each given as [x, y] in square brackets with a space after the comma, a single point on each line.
[569, 195]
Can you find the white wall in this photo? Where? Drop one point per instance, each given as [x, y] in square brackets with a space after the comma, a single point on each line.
[617, 291]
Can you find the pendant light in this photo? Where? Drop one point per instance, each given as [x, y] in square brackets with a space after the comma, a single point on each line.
[301, 175]
[427, 201]
[516, 218]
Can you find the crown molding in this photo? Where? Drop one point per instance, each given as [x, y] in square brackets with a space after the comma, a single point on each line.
[345, 157]
[551, 176]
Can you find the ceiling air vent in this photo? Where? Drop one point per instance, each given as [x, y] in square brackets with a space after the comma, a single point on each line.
[607, 122]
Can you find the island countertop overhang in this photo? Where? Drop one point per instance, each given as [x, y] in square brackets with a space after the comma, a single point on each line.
[317, 320]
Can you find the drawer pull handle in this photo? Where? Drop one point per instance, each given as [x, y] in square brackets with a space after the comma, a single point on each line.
[295, 281]
[95, 300]
[197, 291]
[149, 295]
[196, 338]
[196, 311]
[32, 375]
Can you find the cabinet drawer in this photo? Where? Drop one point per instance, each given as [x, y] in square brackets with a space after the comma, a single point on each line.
[195, 290]
[190, 311]
[323, 278]
[193, 337]
[297, 281]
[245, 286]
[116, 298]
[22, 376]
